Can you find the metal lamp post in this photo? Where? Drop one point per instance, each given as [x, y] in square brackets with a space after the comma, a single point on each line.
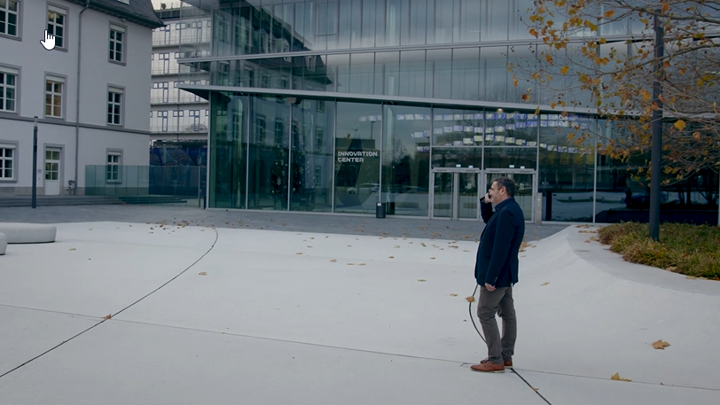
[656, 134]
[34, 164]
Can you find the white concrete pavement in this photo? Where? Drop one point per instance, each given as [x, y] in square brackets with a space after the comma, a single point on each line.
[258, 316]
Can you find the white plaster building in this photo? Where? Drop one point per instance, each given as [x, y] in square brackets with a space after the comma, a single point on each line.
[90, 93]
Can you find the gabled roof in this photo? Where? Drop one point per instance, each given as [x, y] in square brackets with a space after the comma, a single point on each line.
[138, 11]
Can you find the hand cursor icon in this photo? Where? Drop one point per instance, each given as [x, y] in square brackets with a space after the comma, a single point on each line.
[49, 41]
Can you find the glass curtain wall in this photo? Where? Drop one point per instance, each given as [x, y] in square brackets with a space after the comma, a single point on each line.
[271, 26]
[406, 159]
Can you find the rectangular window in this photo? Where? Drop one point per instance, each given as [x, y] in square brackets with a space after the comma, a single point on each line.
[53, 97]
[114, 108]
[163, 120]
[319, 135]
[117, 44]
[8, 89]
[9, 17]
[56, 25]
[178, 113]
[279, 126]
[112, 169]
[7, 159]
[260, 128]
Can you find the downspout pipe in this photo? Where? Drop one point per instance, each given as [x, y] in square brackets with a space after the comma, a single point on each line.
[77, 98]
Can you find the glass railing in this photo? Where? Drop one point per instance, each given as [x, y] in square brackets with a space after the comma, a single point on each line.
[184, 182]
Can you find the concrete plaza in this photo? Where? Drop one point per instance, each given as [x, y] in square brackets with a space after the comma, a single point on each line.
[170, 305]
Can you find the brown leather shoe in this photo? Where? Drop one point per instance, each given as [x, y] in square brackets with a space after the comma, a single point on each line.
[507, 363]
[488, 367]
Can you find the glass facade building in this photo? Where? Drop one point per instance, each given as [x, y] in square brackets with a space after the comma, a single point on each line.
[338, 105]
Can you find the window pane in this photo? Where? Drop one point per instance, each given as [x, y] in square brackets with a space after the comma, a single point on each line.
[357, 166]
[465, 75]
[362, 73]
[406, 143]
[412, 73]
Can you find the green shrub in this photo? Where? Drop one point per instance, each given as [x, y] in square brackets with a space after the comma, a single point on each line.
[693, 250]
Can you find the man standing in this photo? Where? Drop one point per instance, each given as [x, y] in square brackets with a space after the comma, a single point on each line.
[496, 271]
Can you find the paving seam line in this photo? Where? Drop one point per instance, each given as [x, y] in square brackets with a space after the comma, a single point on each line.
[119, 312]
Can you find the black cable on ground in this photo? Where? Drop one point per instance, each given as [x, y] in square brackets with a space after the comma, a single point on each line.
[472, 318]
[117, 313]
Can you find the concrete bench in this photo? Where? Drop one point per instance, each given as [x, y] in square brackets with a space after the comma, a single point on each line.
[28, 233]
[3, 243]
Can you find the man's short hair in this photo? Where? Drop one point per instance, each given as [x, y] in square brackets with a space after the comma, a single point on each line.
[506, 182]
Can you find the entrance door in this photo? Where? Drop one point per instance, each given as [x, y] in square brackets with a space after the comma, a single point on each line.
[526, 187]
[454, 193]
[52, 171]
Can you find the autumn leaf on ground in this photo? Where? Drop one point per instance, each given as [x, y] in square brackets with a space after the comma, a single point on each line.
[525, 245]
[333, 261]
[361, 264]
[470, 299]
[298, 253]
[432, 258]
[108, 316]
[545, 283]
[691, 277]
[536, 389]
[453, 295]
[351, 264]
[391, 257]
[616, 377]
[660, 344]
[73, 249]
[202, 273]
[422, 280]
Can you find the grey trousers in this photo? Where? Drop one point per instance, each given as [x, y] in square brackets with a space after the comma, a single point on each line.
[498, 302]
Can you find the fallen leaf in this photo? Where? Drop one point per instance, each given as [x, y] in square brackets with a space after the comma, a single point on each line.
[351, 264]
[108, 316]
[453, 295]
[536, 389]
[361, 264]
[422, 280]
[391, 257]
[660, 344]
[545, 283]
[616, 377]
[298, 253]
[470, 299]
[73, 249]
[202, 273]
[432, 258]
[333, 260]
[587, 240]
[691, 277]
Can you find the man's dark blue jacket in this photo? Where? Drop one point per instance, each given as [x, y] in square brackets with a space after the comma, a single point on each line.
[497, 255]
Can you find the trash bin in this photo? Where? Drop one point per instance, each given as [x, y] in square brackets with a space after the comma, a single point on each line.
[380, 210]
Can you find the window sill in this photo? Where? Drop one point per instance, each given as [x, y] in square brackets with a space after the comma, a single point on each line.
[17, 38]
[114, 62]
